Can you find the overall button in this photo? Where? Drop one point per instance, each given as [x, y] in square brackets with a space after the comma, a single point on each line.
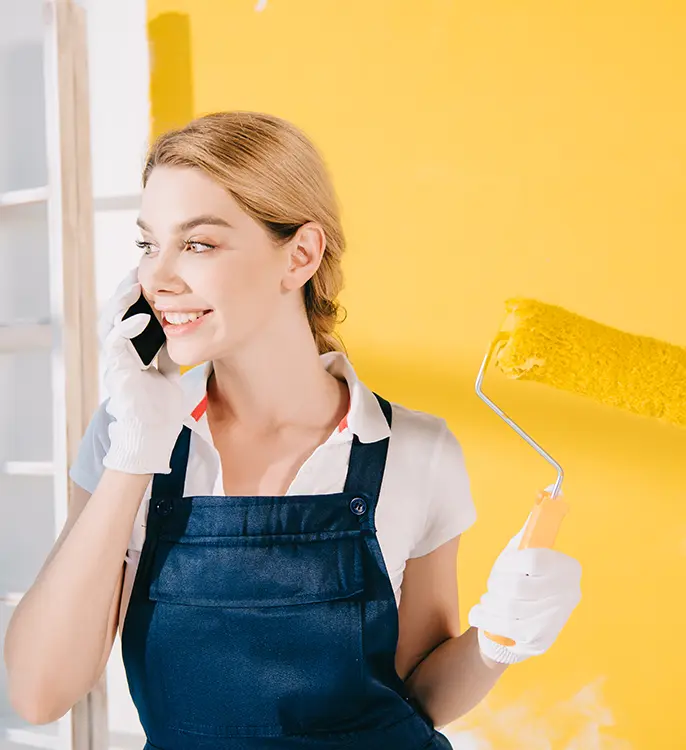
[358, 506]
[163, 507]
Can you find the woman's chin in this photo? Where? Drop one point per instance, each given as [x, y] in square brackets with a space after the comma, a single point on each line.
[186, 356]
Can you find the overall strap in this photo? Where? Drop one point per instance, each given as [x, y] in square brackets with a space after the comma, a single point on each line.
[368, 461]
[172, 485]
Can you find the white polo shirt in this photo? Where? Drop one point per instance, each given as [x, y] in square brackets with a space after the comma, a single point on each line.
[424, 500]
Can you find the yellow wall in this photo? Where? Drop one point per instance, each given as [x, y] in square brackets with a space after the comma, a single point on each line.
[483, 150]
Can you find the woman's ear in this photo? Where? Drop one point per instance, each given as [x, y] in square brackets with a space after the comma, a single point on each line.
[306, 251]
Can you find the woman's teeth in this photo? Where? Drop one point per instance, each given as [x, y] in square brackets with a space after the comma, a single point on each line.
[178, 318]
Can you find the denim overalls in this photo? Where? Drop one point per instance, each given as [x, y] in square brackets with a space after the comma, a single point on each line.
[269, 622]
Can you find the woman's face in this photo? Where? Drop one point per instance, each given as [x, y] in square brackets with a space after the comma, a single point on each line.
[203, 255]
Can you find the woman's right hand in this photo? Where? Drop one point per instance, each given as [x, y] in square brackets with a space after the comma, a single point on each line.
[148, 406]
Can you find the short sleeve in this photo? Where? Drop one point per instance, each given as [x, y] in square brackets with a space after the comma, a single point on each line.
[87, 468]
[450, 508]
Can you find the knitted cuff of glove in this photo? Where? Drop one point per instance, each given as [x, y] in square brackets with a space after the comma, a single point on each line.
[136, 449]
[496, 652]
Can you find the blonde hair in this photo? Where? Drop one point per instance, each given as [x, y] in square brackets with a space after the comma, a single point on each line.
[277, 176]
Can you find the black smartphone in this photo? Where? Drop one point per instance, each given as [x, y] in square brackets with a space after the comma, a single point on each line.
[148, 343]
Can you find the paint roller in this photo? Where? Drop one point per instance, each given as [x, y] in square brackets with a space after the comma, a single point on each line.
[548, 344]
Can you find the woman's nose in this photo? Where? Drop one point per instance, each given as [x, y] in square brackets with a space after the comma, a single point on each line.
[160, 274]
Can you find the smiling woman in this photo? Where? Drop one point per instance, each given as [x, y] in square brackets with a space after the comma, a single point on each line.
[271, 510]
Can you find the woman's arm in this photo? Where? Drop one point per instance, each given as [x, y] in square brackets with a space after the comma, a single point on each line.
[454, 678]
[531, 594]
[448, 674]
[61, 634]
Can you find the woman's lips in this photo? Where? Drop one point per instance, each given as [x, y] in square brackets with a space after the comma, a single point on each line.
[179, 329]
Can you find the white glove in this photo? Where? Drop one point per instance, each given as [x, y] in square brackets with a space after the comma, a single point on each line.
[531, 595]
[148, 405]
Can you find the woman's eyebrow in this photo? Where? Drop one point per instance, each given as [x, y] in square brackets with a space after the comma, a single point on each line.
[190, 224]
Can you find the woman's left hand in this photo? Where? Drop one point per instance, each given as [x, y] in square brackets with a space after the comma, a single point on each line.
[531, 595]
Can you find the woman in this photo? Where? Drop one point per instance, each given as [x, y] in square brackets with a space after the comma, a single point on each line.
[268, 508]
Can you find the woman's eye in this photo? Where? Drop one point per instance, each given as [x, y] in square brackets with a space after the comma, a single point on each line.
[145, 246]
[200, 247]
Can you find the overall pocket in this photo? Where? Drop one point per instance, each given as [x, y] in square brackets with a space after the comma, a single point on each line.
[258, 636]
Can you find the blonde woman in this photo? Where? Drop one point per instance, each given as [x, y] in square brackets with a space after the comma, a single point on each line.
[275, 543]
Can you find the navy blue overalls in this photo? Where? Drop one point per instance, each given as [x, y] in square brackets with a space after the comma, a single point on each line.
[269, 622]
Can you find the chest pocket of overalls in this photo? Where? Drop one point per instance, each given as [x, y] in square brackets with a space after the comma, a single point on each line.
[258, 635]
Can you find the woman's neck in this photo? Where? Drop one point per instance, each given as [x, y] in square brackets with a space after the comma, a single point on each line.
[271, 389]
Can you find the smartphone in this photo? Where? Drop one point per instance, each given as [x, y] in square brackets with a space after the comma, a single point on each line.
[148, 343]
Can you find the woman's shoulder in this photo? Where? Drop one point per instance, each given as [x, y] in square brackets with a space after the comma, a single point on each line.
[424, 442]
[419, 427]
[428, 462]
[87, 467]
[97, 431]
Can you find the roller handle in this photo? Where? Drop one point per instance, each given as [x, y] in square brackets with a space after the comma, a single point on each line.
[541, 531]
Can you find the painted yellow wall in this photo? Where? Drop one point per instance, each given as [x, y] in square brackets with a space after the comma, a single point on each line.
[484, 150]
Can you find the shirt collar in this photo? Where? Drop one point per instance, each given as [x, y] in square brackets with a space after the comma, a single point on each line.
[364, 419]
